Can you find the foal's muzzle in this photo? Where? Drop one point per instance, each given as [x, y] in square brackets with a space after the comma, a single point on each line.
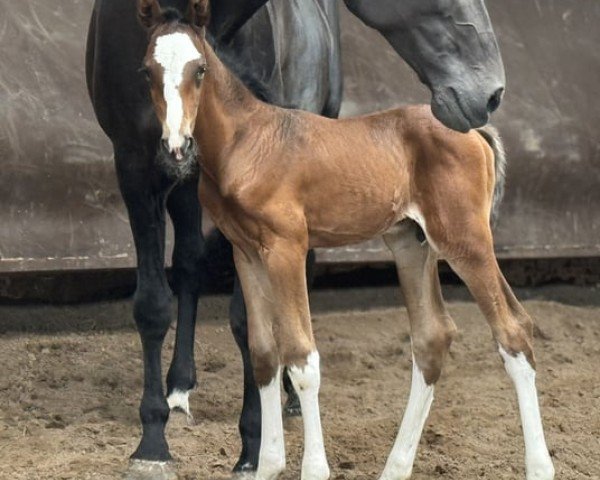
[183, 153]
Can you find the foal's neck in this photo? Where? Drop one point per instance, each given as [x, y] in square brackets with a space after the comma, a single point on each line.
[226, 107]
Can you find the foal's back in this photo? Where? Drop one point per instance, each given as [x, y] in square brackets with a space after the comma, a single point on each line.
[352, 179]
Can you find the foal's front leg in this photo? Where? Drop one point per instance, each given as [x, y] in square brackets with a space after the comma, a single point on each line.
[275, 288]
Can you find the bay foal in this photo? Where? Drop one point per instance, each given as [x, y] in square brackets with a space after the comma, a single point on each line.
[278, 182]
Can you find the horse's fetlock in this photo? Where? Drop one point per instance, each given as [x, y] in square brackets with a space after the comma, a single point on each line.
[154, 410]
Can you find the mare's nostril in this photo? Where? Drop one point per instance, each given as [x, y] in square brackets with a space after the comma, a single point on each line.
[495, 99]
[164, 144]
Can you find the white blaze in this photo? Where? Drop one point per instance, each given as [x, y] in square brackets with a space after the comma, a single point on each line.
[173, 52]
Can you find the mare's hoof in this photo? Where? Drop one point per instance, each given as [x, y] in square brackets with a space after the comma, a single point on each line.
[249, 475]
[245, 471]
[149, 470]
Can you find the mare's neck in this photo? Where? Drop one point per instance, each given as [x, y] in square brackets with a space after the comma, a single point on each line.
[226, 107]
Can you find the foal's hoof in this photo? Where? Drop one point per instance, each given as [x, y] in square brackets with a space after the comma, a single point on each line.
[148, 470]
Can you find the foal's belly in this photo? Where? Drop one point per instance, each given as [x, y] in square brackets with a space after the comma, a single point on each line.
[356, 206]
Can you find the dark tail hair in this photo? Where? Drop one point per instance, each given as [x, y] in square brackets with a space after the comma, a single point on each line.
[492, 137]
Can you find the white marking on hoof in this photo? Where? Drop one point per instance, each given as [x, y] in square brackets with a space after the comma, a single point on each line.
[243, 476]
[400, 462]
[149, 470]
[537, 459]
[271, 459]
[307, 381]
[179, 400]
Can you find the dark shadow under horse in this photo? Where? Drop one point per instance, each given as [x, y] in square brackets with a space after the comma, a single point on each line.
[287, 53]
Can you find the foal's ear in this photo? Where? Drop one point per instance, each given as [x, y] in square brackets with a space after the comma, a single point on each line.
[199, 12]
[149, 12]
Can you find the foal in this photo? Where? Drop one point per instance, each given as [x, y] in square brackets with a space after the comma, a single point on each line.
[278, 182]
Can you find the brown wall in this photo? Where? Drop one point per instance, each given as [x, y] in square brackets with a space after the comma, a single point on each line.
[60, 206]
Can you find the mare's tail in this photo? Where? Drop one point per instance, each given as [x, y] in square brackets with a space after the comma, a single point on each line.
[492, 137]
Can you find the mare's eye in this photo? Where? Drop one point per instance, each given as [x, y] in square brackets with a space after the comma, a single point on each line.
[199, 75]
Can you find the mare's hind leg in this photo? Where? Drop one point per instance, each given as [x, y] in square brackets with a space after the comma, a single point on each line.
[188, 271]
[432, 331]
[470, 253]
[250, 419]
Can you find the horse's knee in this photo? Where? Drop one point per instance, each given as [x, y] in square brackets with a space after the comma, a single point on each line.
[431, 347]
[152, 312]
[265, 362]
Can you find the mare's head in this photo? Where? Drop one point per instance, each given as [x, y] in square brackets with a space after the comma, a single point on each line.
[174, 65]
[451, 46]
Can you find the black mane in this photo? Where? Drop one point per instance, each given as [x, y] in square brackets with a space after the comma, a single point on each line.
[242, 71]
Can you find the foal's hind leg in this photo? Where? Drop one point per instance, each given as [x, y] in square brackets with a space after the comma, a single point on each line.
[432, 331]
[473, 259]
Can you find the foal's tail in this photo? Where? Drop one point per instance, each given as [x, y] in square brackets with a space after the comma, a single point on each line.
[492, 137]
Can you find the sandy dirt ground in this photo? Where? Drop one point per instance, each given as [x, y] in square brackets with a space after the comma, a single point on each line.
[68, 402]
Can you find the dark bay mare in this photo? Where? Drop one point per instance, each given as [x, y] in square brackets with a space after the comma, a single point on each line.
[287, 52]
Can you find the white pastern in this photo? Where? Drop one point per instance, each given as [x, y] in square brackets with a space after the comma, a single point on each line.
[537, 459]
[307, 380]
[178, 399]
[400, 462]
[173, 52]
[271, 459]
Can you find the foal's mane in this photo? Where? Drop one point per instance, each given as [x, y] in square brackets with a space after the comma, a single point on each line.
[243, 72]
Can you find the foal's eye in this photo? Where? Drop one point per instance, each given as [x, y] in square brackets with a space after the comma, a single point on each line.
[200, 74]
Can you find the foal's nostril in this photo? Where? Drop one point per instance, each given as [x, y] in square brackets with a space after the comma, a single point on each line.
[164, 145]
[188, 145]
[495, 99]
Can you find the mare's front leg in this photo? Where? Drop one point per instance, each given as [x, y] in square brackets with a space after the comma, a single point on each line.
[189, 269]
[144, 192]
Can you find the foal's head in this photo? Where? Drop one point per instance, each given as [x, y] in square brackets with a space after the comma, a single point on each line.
[174, 66]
